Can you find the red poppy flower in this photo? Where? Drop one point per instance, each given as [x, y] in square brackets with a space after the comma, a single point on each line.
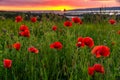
[118, 32]
[99, 68]
[76, 20]
[67, 23]
[23, 28]
[25, 33]
[34, 19]
[33, 50]
[88, 41]
[18, 19]
[56, 45]
[91, 71]
[101, 51]
[7, 63]
[17, 46]
[112, 21]
[80, 42]
[54, 28]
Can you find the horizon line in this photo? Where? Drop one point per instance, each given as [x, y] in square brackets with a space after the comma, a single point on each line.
[61, 10]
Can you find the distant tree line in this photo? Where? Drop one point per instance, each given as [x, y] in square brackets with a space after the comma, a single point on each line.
[89, 17]
[28, 15]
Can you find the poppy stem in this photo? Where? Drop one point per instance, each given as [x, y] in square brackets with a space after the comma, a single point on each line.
[93, 77]
[6, 74]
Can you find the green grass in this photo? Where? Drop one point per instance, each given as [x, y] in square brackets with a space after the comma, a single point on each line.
[70, 63]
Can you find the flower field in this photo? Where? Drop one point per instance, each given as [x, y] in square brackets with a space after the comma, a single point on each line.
[59, 50]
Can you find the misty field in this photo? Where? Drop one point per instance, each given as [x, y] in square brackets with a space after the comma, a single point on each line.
[33, 55]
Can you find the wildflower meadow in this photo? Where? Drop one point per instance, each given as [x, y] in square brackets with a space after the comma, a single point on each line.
[59, 49]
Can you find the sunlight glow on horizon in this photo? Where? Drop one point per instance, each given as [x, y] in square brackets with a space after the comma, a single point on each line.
[27, 5]
[61, 8]
[36, 8]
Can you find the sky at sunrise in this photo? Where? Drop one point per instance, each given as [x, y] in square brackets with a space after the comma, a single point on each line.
[55, 4]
